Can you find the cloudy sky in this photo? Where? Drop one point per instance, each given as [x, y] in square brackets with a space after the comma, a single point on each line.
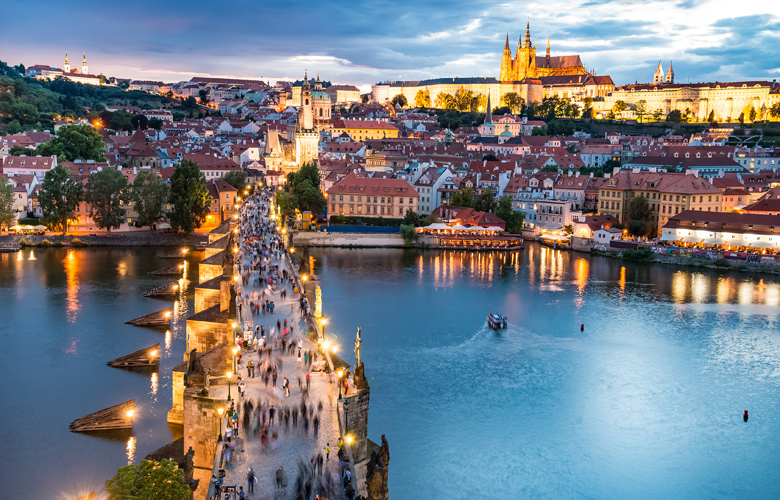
[365, 41]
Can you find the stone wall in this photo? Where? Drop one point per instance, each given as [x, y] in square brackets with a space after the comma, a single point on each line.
[582, 244]
[201, 430]
[176, 413]
[208, 271]
[205, 298]
[323, 239]
[203, 335]
[356, 423]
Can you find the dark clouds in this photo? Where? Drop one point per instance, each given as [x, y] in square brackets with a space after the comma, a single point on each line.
[364, 41]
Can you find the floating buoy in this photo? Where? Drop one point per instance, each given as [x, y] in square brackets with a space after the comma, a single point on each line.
[745, 416]
[582, 327]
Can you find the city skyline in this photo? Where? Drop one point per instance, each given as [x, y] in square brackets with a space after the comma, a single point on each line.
[703, 38]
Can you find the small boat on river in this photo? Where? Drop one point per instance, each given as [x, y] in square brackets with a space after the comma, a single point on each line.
[496, 321]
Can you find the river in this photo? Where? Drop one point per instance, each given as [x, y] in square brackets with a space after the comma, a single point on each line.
[646, 402]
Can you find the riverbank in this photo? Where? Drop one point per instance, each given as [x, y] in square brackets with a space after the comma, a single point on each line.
[135, 238]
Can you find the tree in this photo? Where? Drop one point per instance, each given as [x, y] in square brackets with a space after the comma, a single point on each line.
[639, 216]
[464, 99]
[148, 195]
[188, 195]
[741, 118]
[364, 98]
[485, 202]
[618, 107]
[774, 111]
[674, 116]
[59, 196]
[568, 229]
[422, 99]
[286, 202]
[155, 123]
[445, 101]
[139, 121]
[657, 114]
[513, 101]
[610, 165]
[412, 218]
[513, 218]
[641, 110]
[571, 149]
[106, 191]
[304, 189]
[539, 131]
[204, 96]
[148, 480]
[237, 179]
[752, 114]
[464, 197]
[587, 102]
[408, 233]
[75, 142]
[399, 100]
[711, 118]
[6, 203]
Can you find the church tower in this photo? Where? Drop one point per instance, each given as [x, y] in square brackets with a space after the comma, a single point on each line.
[547, 54]
[488, 129]
[670, 74]
[307, 139]
[658, 76]
[505, 75]
[66, 67]
[525, 62]
[84, 67]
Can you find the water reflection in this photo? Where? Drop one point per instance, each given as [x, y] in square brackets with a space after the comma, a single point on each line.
[130, 450]
[19, 256]
[32, 255]
[153, 380]
[71, 277]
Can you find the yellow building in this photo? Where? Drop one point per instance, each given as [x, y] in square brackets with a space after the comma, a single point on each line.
[526, 64]
[726, 99]
[360, 130]
[667, 195]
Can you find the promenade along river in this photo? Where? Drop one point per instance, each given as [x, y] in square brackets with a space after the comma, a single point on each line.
[646, 402]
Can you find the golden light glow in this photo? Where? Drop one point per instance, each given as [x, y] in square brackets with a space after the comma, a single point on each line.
[233, 324]
[175, 287]
[220, 411]
[341, 373]
[349, 439]
[130, 450]
[334, 348]
[130, 413]
[184, 251]
[324, 321]
[235, 351]
[153, 353]
[229, 374]
[71, 278]
[154, 383]
[19, 256]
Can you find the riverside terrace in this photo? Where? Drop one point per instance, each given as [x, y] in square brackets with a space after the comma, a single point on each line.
[724, 231]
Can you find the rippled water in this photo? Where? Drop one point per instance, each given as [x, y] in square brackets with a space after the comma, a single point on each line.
[63, 314]
[647, 402]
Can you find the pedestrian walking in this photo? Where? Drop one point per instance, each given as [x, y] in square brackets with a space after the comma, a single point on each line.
[250, 481]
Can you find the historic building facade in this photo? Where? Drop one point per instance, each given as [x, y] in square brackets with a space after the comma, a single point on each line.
[526, 64]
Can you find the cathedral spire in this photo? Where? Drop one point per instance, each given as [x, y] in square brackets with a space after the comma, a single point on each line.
[488, 112]
[66, 67]
[528, 35]
[658, 76]
[506, 45]
[670, 74]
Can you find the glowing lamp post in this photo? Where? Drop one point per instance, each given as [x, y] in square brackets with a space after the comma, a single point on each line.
[341, 374]
[235, 352]
[229, 375]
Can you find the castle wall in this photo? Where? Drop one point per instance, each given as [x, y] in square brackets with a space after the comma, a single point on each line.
[201, 431]
[205, 298]
[203, 335]
[208, 271]
[176, 413]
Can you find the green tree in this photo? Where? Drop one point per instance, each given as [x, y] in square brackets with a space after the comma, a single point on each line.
[422, 99]
[752, 114]
[674, 116]
[513, 218]
[618, 107]
[20, 150]
[513, 101]
[412, 218]
[106, 191]
[139, 121]
[25, 112]
[304, 188]
[189, 196]
[464, 197]
[14, 127]
[485, 202]
[587, 102]
[237, 179]
[286, 203]
[204, 96]
[711, 118]
[568, 229]
[364, 98]
[445, 101]
[657, 114]
[540, 131]
[155, 123]
[639, 216]
[6, 203]
[59, 196]
[741, 118]
[148, 480]
[75, 142]
[408, 233]
[148, 195]
[399, 100]
[641, 110]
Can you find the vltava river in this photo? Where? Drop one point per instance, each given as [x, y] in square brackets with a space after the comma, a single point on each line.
[647, 402]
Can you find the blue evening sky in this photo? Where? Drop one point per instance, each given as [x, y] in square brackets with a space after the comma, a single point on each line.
[365, 41]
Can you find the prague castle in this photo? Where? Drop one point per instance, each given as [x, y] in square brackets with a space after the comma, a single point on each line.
[530, 76]
[527, 64]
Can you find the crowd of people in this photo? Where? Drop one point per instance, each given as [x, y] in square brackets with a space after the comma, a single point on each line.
[261, 260]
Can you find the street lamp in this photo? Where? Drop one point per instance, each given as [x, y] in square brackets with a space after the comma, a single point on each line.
[220, 411]
[229, 374]
[341, 374]
[235, 351]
